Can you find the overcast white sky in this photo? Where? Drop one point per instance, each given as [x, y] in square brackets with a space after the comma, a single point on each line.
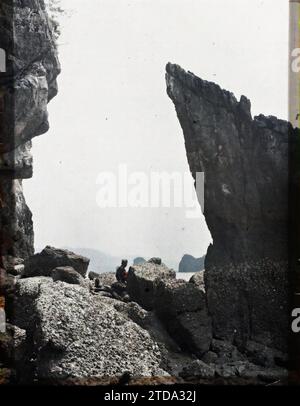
[112, 108]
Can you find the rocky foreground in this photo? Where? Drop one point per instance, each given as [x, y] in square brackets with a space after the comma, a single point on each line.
[65, 328]
[228, 324]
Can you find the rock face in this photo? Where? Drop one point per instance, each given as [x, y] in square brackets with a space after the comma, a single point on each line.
[182, 308]
[29, 83]
[142, 280]
[45, 262]
[189, 263]
[245, 162]
[79, 335]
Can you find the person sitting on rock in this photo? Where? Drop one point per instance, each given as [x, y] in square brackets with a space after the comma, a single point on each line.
[121, 273]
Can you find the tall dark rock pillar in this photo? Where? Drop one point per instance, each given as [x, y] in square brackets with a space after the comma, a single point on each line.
[245, 162]
[27, 37]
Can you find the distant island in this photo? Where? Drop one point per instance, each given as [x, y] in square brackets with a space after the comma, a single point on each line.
[139, 261]
[189, 263]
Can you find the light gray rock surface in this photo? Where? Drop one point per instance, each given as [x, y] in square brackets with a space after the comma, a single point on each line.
[142, 280]
[81, 335]
[27, 35]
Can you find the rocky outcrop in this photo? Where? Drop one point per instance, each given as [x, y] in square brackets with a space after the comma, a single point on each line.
[43, 263]
[26, 87]
[139, 261]
[245, 162]
[181, 306]
[106, 278]
[67, 274]
[29, 83]
[189, 263]
[71, 333]
[142, 280]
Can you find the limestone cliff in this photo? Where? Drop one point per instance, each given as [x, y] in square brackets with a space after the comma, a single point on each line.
[29, 83]
[245, 161]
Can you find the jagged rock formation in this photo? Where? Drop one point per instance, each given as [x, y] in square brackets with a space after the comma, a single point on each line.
[71, 333]
[189, 263]
[245, 162]
[67, 332]
[43, 263]
[29, 83]
[181, 306]
[63, 330]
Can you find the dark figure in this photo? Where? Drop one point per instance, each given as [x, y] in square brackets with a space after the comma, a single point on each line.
[97, 285]
[121, 273]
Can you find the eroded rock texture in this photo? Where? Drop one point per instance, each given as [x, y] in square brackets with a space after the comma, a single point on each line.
[71, 333]
[29, 83]
[43, 263]
[245, 162]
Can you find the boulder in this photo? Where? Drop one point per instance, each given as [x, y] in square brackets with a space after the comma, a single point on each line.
[81, 336]
[107, 278]
[43, 263]
[174, 359]
[192, 331]
[67, 274]
[182, 308]
[142, 280]
[155, 260]
[198, 369]
[173, 297]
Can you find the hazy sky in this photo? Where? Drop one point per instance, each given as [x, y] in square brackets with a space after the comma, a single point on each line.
[113, 109]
